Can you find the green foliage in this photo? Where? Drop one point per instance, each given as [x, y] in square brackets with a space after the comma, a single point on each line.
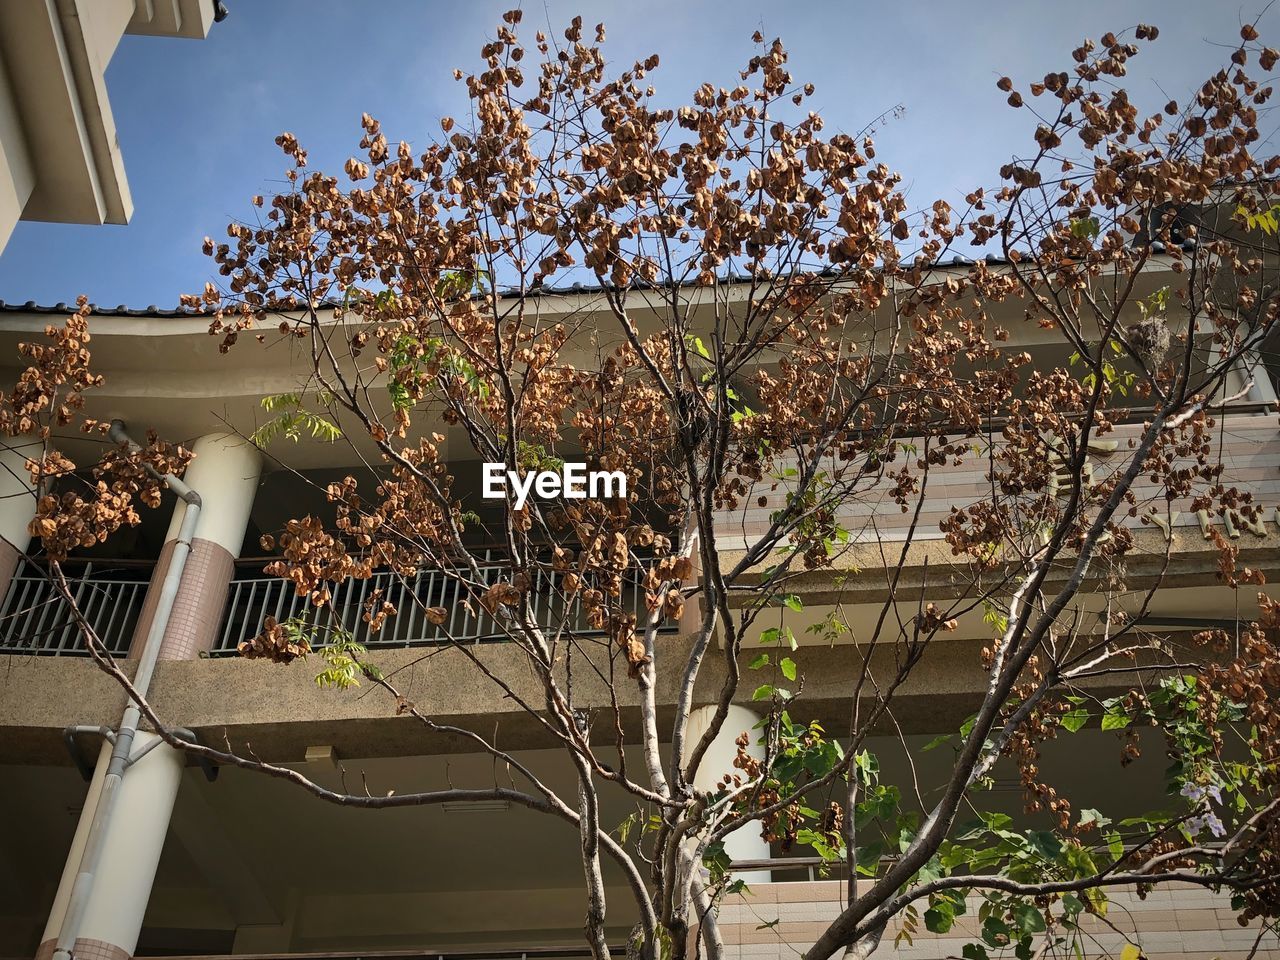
[817, 530]
[776, 636]
[1266, 221]
[646, 824]
[534, 456]
[1121, 381]
[344, 664]
[944, 907]
[457, 284]
[410, 358]
[738, 409]
[1085, 228]
[695, 344]
[1212, 789]
[292, 420]
[1155, 303]
[786, 666]
[994, 617]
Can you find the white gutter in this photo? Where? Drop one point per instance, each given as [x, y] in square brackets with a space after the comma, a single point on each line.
[122, 746]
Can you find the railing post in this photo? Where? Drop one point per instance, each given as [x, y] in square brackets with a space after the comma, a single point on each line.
[71, 630]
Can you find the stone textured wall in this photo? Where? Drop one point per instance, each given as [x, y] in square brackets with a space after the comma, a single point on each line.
[1183, 922]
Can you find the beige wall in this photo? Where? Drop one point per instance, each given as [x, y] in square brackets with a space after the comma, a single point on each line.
[60, 159]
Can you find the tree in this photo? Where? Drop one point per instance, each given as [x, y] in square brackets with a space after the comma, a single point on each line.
[774, 328]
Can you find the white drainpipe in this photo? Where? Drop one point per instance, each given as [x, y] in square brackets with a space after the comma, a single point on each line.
[123, 745]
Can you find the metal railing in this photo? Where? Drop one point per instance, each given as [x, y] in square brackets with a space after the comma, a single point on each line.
[35, 617]
[252, 600]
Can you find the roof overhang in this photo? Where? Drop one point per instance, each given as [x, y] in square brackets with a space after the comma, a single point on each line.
[172, 18]
[56, 54]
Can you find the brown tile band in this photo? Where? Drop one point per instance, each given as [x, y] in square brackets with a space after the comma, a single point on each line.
[84, 950]
[197, 609]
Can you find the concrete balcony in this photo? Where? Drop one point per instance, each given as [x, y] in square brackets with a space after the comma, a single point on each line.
[36, 619]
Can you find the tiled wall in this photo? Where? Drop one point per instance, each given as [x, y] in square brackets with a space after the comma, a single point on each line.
[197, 608]
[1249, 446]
[1183, 922]
[85, 950]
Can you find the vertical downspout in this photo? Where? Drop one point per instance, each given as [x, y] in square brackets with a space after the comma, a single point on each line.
[121, 749]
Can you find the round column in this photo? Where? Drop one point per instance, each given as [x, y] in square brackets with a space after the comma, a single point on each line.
[225, 474]
[130, 854]
[744, 843]
[17, 503]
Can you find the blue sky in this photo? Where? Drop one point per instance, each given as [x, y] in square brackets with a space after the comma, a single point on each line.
[197, 119]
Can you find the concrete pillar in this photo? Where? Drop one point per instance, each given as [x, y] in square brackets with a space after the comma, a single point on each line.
[745, 843]
[17, 503]
[130, 855]
[225, 475]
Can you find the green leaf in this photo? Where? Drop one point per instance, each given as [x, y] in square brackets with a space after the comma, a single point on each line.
[995, 932]
[763, 692]
[623, 829]
[938, 919]
[1085, 228]
[937, 742]
[788, 667]
[1029, 918]
[1045, 843]
[1073, 721]
[792, 602]
[1114, 717]
[761, 661]
[868, 858]
[1092, 818]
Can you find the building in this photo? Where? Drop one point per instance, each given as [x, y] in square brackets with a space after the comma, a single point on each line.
[243, 864]
[60, 160]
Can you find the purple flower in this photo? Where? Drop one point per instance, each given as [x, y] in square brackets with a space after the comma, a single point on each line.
[1215, 825]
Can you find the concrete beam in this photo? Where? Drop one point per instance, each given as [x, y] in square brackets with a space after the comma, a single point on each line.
[189, 19]
[278, 712]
